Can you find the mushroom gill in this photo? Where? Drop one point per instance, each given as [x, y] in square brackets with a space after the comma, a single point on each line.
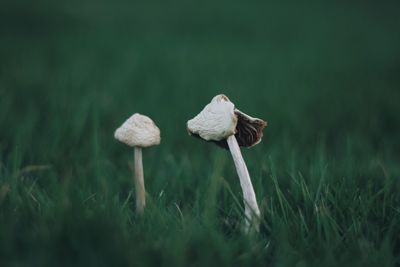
[249, 131]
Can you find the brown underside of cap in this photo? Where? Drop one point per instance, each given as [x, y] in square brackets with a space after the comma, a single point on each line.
[249, 131]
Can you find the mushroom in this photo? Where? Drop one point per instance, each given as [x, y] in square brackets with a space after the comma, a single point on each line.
[220, 122]
[138, 131]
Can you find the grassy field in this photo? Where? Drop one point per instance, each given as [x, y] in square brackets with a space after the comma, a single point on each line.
[327, 174]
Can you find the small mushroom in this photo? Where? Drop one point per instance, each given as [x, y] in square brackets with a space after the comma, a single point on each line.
[138, 131]
[220, 122]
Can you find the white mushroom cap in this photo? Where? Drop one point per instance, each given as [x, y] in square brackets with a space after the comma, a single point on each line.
[139, 131]
[217, 121]
[220, 119]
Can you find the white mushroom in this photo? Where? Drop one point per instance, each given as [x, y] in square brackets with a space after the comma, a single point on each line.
[220, 122]
[138, 131]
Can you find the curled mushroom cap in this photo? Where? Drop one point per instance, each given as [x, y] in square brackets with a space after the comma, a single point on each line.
[138, 131]
[217, 121]
[220, 119]
[249, 130]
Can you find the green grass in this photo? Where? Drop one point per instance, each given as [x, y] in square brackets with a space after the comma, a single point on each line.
[326, 175]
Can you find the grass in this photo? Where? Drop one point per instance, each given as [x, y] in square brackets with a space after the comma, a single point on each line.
[326, 175]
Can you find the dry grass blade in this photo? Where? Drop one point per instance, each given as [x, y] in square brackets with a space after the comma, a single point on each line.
[32, 168]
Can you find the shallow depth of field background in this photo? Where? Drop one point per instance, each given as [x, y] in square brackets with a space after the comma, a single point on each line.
[325, 77]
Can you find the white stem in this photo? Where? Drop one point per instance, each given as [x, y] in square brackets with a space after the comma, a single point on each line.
[251, 210]
[139, 181]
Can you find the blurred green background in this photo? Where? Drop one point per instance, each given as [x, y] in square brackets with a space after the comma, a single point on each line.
[324, 75]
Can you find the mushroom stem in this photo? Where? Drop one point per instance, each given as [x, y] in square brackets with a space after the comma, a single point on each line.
[251, 210]
[139, 181]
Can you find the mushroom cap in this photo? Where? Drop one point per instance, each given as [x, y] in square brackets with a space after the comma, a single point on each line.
[217, 121]
[220, 119]
[138, 131]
